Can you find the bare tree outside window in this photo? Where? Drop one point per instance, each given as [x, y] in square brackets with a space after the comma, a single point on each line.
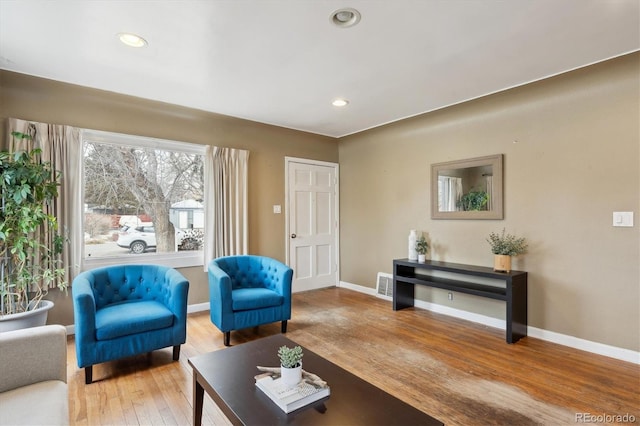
[144, 183]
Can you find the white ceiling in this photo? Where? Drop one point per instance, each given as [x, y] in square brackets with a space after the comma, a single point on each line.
[282, 61]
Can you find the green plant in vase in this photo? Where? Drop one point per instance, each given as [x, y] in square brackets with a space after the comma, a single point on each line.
[290, 357]
[503, 246]
[28, 263]
[290, 365]
[422, 247]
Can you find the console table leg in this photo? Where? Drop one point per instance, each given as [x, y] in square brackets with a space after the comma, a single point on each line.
[198, 401]
[403, 295]
[509, 320]
[519, 308]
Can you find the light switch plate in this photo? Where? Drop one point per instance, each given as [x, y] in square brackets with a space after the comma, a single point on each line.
[277, 209]
[624, 219]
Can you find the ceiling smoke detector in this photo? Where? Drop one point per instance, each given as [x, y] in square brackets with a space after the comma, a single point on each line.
[346, 17]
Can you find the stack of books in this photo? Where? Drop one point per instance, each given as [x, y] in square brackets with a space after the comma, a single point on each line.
[290, 398]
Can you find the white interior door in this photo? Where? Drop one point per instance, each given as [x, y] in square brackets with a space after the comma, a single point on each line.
[312, 223]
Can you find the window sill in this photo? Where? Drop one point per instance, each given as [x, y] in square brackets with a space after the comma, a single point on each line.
[173, 260]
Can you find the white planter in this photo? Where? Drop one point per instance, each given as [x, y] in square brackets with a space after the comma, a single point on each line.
[413, 237]
[291, 376]
[34, 318]
[422, 258]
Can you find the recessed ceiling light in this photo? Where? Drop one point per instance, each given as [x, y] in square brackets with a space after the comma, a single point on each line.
[340, 102]
[345, 17]
[132, 40]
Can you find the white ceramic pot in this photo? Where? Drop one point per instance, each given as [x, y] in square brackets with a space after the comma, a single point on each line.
[291, 376]
[34, 318]
[413, 237]
[422, 258]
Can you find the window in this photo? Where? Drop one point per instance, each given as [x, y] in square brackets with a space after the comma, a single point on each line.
[143, 200]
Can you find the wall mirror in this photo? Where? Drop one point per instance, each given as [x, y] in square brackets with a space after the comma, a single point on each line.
[467, 189]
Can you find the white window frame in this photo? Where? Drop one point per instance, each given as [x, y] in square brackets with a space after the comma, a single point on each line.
[175, 259]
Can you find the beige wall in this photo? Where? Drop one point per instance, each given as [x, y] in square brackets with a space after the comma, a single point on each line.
[47, 101]
[576, 161]
[571, 153]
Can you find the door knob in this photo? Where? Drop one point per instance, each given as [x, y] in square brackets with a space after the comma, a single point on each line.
[293, 235]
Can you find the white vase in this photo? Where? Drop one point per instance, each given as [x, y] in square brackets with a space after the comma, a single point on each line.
[291, 376]
[33, 318]
[422, 258]
[413, 237]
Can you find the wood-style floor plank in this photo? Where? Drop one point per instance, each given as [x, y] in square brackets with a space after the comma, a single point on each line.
[460, 372]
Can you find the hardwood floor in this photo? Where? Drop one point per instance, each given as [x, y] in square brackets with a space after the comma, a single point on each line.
[459, 372]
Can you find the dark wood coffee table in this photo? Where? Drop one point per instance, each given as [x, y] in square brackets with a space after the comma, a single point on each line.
[228, 377]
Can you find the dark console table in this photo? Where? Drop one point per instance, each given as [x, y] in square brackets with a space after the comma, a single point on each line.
[408, 273]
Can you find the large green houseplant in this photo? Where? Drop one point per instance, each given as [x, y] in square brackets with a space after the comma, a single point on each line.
[28, 263]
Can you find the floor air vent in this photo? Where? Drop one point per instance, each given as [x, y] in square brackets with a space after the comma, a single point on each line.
[384, 286]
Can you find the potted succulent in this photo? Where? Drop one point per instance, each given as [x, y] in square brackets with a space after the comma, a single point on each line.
[503, 246]
[28, 265]
[422, 247]
[290, 365]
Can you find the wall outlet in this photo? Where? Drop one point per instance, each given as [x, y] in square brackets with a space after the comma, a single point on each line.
[450, 295]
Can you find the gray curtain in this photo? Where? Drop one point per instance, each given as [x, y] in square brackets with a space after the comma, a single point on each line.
[61, 146]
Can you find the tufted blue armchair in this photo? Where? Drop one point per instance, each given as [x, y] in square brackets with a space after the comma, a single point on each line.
[125, 310]
[246, 291]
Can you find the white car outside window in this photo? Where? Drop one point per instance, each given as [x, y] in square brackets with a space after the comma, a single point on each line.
[141, 238]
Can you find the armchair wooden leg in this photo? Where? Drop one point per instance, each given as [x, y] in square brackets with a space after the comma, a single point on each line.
[176, 352]
[227, 338]
[284, 326]
[88, 375]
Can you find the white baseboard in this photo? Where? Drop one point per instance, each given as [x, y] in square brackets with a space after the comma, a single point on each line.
[360, 289]
[198, 308]
[585, 345]
[549, 336]
[465, 315]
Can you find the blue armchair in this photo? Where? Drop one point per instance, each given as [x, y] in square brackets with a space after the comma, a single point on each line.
[125, 310]
[247, 291]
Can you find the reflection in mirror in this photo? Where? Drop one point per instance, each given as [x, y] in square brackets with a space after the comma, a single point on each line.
[467, 189]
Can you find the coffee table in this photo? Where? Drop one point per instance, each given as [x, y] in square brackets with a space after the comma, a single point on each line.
[227, 375]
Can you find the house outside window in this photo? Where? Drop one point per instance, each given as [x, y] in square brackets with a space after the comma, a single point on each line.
[144, 200]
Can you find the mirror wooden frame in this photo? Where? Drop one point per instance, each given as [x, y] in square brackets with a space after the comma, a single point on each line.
[495, 161]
